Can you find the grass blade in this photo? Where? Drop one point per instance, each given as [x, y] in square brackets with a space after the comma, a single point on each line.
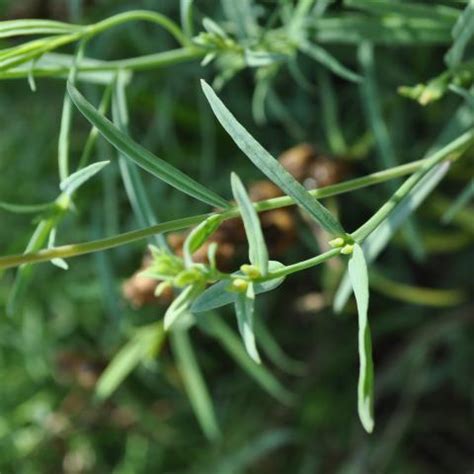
[258, 253]
[12, 28]
[194, 383]
[459, 203]
[365, 391]
[142, 157]
[269, 165]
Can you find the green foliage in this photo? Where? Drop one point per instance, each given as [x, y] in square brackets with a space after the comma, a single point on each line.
[91, 384]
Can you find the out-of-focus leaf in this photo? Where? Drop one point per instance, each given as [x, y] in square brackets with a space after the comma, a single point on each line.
[459, 203]
[25, 208]
[323, 57]
[216, 327]
[194, 382]
[35, 27]
[144, 344]
[463, 32]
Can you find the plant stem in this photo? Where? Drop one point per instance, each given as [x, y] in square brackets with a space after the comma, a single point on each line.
[72, 250]
[454, 148]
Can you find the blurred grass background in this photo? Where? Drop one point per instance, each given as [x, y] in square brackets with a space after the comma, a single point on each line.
[73, 322]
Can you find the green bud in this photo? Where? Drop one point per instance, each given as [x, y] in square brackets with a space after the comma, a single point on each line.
[337, 242]
[239, 285]
[251, 271]
[347, 249]
[187, 277]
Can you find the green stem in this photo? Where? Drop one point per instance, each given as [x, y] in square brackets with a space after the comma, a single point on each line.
[137, 15]
[139, 63]
[73, 250]
[454, 148]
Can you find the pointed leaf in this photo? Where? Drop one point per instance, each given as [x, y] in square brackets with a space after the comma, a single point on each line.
[180, 306]
[144, 344]
[378, 239]
[199, 235]
[142, 157]
[365, 392]
[77, 179]
[326, 59]
[194, 383]
[25, 208]
[269, 165]
[217, 328]
[258, 253]
[244, 310]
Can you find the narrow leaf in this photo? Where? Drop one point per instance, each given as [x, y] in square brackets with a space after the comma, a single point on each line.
[258, 253]
[145, 343]
[25, 208]
[244, 310]
[77, 179]
[217, 328]
[378, 239]
[463, 32]
[269, 165]
[142, 157]
[329, 61]
[58, 262]
[365, 392]
[180, 306]
[194, 383]
[218, 295]
[199, 235]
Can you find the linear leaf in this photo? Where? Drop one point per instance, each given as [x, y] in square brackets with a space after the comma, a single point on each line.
[199, 235]
[132, 180]
[218, 295]
[269, 165]
[244, 310]
[365, 392]
[328, 60]
[77, 179]
[58, 262]
[66, 117]
[378, 239]
[463, 32]
[25, 208]
[144, 344]
[274, 352]
[258, 253]
[180, 305]
[142, 157]
[213, 324]
[194, 383]
[34, 27]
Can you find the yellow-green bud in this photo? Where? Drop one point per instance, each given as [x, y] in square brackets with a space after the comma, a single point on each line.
[347, 249]
[337, 242]
[164, 285]
[239, 285]
[187, 277]
[251, 271]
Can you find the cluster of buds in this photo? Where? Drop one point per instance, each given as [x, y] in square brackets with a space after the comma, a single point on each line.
[229, 241]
